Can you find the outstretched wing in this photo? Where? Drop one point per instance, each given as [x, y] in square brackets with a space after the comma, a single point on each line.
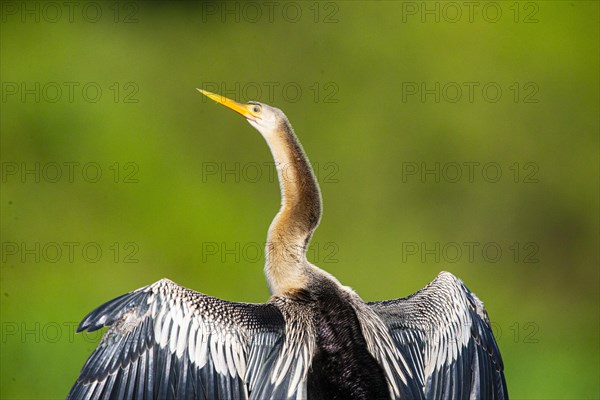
[169, 342]
[444, 331]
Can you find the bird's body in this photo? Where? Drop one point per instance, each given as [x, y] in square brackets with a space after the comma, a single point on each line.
[314, 339]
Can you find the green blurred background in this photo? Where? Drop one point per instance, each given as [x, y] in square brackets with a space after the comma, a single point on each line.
[372, 89]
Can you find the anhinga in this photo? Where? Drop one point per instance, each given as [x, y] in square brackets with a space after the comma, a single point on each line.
[314, 339]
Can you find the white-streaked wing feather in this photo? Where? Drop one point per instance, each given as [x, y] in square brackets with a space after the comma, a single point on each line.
[443, 332]
[166, 341]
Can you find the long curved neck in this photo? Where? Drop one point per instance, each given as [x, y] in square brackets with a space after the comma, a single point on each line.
[286, 266]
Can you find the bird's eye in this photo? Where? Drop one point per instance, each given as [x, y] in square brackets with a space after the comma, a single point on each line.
[256, 109]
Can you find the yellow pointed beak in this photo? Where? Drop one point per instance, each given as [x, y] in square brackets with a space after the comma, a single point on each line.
[243, 109]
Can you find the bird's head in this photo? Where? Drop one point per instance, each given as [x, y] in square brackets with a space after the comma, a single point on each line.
[266, 119]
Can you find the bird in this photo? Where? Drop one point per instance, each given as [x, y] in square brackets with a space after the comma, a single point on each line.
[313, 339]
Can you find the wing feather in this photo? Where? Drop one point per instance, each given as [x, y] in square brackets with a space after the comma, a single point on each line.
[165, 341]
[444, 331]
